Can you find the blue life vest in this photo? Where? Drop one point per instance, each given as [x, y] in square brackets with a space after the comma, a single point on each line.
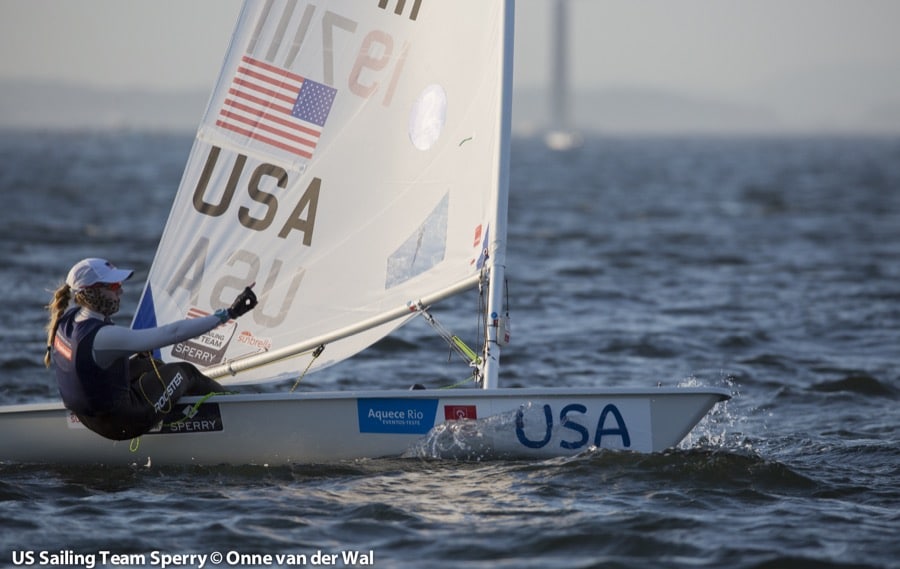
[86, 388]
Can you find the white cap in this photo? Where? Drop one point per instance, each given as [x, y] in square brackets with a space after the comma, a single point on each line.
[89, 272]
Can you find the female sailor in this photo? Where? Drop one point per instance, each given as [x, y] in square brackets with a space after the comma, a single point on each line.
[105, 373]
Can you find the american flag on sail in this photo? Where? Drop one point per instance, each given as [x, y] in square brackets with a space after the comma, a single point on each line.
[276, 107]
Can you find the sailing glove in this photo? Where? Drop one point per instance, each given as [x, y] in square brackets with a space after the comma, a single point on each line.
[243, 304]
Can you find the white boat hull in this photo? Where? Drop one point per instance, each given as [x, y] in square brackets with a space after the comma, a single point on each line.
[278, 429]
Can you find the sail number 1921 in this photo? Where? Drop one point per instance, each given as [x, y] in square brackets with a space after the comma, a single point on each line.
[371, 71]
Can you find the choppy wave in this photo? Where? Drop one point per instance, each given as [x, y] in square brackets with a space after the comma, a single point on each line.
[859, 383]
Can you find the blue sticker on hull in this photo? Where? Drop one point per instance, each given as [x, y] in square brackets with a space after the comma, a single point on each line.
[399, 416]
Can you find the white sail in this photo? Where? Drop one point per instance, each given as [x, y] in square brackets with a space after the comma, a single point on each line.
[348, 163]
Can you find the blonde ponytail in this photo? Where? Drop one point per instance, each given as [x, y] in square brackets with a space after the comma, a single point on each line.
[57, 308]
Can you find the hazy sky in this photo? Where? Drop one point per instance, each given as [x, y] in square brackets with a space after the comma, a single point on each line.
[773, 52]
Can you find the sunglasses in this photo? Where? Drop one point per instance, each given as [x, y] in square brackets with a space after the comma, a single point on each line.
[110, 286]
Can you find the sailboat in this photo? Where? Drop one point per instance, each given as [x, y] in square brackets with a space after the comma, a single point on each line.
[353, 163]
[561, 136]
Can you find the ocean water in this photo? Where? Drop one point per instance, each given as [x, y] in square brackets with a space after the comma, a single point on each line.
[770, 266]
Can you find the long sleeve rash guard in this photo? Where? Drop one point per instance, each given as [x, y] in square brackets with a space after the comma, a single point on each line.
[113, 342]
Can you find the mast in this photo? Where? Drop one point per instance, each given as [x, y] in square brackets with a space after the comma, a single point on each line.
[496, 317]
[559, 87]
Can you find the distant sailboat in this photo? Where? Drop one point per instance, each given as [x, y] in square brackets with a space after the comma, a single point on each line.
[561, 135]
